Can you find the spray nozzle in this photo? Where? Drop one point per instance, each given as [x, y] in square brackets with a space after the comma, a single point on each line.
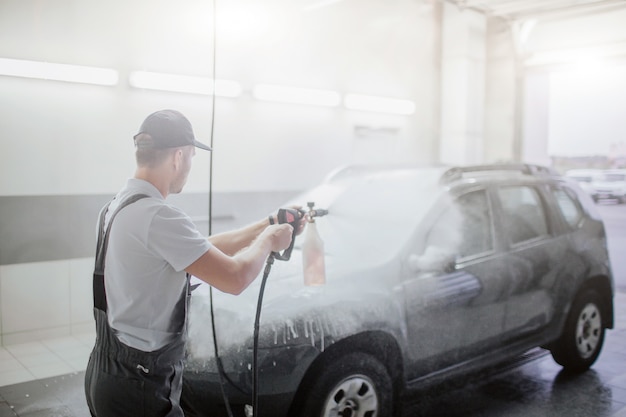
[312, 213]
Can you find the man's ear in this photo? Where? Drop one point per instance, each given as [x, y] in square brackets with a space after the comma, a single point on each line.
[177, 158]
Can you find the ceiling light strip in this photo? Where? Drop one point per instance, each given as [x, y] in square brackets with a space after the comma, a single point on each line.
[183, 84]
[201, 85]
[58, 72]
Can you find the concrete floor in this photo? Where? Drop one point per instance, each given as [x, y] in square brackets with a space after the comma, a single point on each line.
[531, 386]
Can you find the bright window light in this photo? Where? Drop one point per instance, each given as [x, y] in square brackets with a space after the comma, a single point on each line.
[319, 5]
[296, 95]
[379, 104]
[58, 72]
[183, 84]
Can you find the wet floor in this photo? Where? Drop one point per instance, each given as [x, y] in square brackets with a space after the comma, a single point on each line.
[60, 396]
[530, 386]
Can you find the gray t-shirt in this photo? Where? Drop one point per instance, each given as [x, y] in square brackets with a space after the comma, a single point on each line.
[150, 245]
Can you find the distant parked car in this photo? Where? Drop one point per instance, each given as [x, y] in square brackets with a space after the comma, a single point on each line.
[430, 273]
[609, 185]
[584, 178]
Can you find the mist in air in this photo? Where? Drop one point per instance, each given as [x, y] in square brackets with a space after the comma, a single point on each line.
[370, 242]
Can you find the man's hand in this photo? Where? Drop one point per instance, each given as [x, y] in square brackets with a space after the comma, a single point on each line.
[301, 223]
[279, 236]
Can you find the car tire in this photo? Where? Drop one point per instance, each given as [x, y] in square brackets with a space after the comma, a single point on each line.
[583, 335]
[356, 384]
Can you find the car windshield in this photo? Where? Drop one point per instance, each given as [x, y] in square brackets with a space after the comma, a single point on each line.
[372, 215]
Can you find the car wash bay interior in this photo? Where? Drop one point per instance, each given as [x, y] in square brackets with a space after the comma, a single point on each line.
[302, 87]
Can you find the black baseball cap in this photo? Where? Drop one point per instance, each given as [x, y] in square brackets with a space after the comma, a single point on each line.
[168, 129]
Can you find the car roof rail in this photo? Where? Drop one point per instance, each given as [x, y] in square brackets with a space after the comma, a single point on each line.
[456, 173]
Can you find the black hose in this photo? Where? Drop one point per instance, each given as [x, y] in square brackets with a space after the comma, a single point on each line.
[220, 367]
[255, 343]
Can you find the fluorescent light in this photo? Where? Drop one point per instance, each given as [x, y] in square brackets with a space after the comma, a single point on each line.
[58, 72]
[379, 104]
[296, 95]
[183, 84]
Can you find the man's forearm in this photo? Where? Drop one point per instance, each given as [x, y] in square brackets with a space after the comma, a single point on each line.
[232, 242]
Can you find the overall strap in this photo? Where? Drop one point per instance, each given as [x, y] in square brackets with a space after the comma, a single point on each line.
[99, 294]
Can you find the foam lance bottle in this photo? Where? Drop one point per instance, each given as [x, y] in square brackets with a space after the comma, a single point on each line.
[313, 251]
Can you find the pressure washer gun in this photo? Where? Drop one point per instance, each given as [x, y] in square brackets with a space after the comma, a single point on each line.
[291, 216]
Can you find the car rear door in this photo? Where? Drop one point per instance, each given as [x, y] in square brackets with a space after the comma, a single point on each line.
[534, 251]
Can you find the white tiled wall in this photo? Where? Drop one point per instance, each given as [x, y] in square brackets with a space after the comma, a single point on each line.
[45, 299]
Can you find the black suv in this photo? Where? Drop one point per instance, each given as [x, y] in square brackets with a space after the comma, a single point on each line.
[430, 272]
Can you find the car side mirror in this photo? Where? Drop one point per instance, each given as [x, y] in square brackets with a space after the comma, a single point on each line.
[434, 259]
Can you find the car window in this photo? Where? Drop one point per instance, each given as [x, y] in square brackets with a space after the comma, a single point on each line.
[524, 216]
[464, 228]
[570, 209]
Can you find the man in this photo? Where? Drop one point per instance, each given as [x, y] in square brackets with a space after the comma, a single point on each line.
[149, 249]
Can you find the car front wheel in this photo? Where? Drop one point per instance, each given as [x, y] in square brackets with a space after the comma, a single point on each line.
[583, 335]
[354, 385]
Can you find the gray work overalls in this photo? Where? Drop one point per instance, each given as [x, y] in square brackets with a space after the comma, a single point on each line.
[121, 381]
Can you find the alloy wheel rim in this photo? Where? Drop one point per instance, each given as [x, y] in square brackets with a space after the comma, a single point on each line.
[588, 330]
[353, 397]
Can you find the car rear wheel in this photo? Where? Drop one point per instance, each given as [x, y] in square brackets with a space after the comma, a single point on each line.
[354, 385]
[583, 335]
